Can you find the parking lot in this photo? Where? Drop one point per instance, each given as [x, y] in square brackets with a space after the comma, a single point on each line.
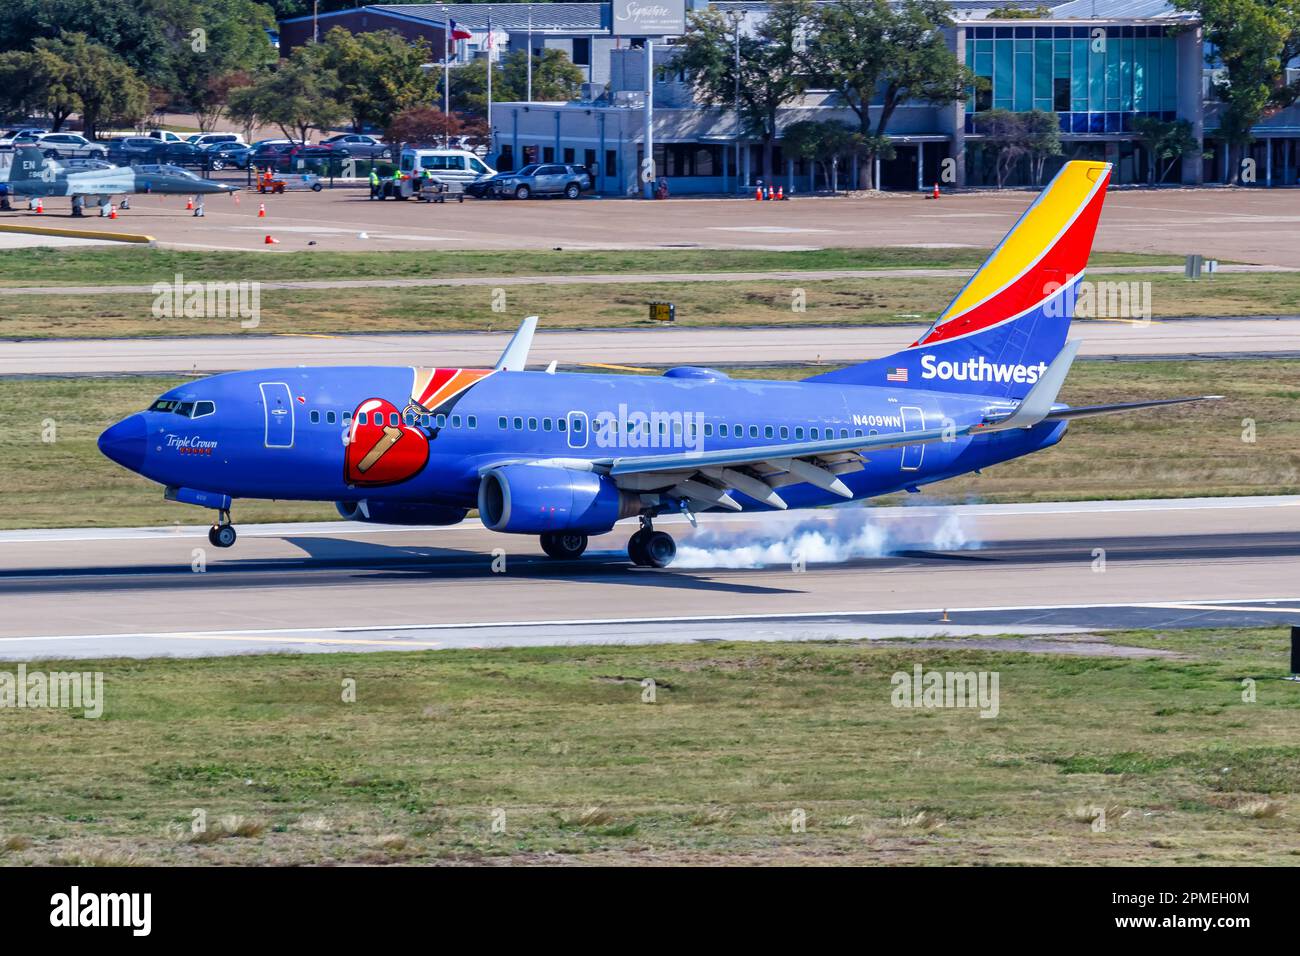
[1233, 224]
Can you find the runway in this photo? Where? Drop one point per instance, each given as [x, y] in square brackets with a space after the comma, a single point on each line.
[1169, 338]
[1036, 569]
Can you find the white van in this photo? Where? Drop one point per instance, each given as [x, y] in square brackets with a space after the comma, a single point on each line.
[451, 165]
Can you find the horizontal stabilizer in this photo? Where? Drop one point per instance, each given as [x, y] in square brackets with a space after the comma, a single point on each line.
[1089, 411]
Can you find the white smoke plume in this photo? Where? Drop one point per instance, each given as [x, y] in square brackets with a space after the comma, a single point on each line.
[828, 536]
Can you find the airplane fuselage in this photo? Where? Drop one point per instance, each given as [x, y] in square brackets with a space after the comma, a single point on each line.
[287, 433]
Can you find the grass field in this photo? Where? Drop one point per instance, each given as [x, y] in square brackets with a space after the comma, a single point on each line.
[557, 748]
[843, 302]
[1182, 451]
[133, 266]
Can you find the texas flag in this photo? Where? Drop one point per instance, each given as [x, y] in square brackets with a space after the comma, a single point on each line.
[457, 33]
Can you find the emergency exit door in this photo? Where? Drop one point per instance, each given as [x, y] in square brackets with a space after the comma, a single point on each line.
[277, 405]
[913, 421]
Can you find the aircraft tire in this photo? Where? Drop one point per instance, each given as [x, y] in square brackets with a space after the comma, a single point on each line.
[564, 546]
[222, 535]
[660, 549]
[636, 549]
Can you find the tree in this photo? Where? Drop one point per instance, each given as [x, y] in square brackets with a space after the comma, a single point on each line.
[555, 78]
[213, 47]
[423, 125]
[37, 82]
[1005, 133]
[105, 88]
[768, 73]
[298, 96]
[1165, 143]
[379, 74]
[132, 29]
[878, 56]
[1248, 38]
[824, 142]
[1042, 134]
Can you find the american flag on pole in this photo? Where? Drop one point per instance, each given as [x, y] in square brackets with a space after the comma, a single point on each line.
[896, 374]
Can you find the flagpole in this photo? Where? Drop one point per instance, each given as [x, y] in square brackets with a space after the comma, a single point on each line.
[489, 83]
[446, 78]
[530, 54]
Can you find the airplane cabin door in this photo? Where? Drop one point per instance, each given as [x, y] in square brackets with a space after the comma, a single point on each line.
[277, 405]
[913, 421]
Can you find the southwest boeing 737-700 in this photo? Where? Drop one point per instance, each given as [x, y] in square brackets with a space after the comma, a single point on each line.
[565, 456]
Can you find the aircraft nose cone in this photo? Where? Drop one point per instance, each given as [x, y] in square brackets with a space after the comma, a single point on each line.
[125, 442]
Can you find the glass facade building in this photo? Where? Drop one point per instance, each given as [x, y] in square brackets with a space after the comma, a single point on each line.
[1096, 80]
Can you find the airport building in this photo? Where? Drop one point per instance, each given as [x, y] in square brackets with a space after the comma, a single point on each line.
[1099, 65]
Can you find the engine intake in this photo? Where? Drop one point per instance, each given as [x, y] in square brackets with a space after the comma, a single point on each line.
[399, 512]
[531, 499]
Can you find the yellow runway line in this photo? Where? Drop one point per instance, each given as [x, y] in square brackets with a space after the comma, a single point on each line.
[76, 233]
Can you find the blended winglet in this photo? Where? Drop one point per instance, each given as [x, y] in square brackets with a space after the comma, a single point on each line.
[515, 357]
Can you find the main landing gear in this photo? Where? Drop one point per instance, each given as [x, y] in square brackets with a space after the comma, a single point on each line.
[564, 546]
[649, 548]
[222, 534]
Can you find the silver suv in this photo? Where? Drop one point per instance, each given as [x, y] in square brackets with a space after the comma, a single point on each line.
[69, 145]
[545, 179]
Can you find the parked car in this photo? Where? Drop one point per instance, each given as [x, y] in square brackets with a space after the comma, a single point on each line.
[297, 157]
[133, 149]
[449, 165]
[226, 155]
[546, 179]
[208, 139]
[488, 187]
[69, 145]
[165, 136]
[23, 134]
[360, 145]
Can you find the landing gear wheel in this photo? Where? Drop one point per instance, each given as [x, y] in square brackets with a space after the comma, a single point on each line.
[222, 535]
[564, 546]
[636, 548]
[660, 549]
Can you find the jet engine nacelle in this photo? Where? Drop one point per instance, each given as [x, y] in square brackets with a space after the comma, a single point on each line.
[532, 499]
[399, 512]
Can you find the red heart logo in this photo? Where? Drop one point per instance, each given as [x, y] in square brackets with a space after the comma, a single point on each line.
[379, 452]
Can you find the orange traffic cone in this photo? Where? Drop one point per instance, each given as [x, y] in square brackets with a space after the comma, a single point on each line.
[936, 191]
[780, 192]
[758, 192]
[189, 203]
[270, 242]
[261, 210]
[40, 206]
[112, 212]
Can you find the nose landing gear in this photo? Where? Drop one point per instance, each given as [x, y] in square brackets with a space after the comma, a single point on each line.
[649, 548]
[222, 534]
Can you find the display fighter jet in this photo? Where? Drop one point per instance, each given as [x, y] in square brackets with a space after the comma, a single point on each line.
[565, 456]
[27, 174]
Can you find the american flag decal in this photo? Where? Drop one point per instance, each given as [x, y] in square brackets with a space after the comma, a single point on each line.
[896, 374]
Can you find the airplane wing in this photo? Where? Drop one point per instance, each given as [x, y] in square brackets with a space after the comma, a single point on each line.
[758, 471]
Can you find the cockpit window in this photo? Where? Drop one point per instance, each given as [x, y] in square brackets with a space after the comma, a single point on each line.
[187, 409]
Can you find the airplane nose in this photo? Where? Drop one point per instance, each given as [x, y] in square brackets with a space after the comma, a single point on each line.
[125, 442]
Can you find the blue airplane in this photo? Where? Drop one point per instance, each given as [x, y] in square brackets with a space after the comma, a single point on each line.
[565, 456]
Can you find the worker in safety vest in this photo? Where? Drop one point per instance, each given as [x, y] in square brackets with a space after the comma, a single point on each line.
[374, 183]
[397, 183]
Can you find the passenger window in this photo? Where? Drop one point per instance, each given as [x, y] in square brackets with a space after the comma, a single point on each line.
[546, 424]
[708, 430]
[393, 419]
[561, 424]
[753, 431]
[441, 421]
[532, 424]
[785, 431]
[873, 432]
[722, 431]
[472, 421]
[577, 425]
[315, 417]
[362, 418]
[330, 418]
[767, 431]
[501, 422]
[455, 421]
[857, 433]
[519, 424]
[844, 433]
[347, 418]
[798, 434]
[813, 433]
